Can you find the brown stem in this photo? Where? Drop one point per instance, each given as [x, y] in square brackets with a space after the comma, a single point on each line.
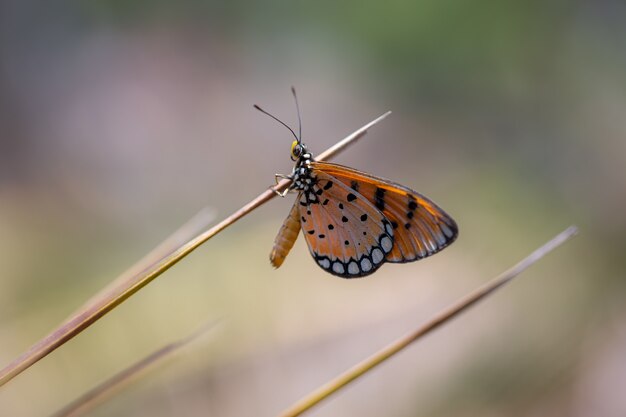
[443, 317]
[102, 305]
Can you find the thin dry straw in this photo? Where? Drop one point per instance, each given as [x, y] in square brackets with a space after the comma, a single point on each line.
[199, 221]
[102, 305]
[443, 317]
[190, 229]
[101, 392]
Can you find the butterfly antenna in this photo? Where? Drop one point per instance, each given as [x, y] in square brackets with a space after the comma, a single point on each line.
[295, 97]
[278, 120]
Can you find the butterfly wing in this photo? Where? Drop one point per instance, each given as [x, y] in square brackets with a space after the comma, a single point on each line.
[346, 234]
[420, 227]
[286, 237]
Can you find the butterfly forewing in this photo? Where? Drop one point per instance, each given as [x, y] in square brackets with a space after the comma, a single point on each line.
[420, 227]
[346, 234]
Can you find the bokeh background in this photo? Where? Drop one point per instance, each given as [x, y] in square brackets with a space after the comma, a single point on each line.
[121, 119]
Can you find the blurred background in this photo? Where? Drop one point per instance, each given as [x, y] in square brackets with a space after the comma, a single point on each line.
[121, 119]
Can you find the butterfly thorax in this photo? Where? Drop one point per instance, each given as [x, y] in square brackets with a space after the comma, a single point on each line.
[302, 176]
[305, 181]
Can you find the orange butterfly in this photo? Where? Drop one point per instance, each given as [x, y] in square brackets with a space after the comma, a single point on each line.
[353, 222]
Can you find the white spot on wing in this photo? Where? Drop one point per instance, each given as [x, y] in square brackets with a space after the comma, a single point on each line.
[338, 267]
[431, 246]
[446, 230]
[377, 256]
[353, 268]
[366, 265]
[386, 244]
[441, 239]
[324, 263]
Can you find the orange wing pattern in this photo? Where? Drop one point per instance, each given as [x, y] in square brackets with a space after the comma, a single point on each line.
[420, 227]
[346, 234]
[286, 237]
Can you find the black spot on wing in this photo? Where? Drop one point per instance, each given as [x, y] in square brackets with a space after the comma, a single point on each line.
[351, 197]
[354, 185]
[379, 198]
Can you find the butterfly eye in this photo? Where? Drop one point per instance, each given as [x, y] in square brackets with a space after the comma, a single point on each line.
[296, 150]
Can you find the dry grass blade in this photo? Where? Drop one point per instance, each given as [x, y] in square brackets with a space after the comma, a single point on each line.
[106, 389]
[99, 306]
[368, 364]
[190, 229]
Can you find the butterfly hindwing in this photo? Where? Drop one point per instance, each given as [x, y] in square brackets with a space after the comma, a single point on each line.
[346, 234]
[420, 227]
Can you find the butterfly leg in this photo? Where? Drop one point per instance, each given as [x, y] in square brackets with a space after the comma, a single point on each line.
[277, 178]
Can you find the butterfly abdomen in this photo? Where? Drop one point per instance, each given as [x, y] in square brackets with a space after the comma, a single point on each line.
[286, 238]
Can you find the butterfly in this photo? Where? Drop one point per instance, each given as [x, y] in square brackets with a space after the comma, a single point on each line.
[354, 222]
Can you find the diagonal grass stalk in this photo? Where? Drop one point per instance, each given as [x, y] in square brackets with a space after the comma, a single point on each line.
[187, 231]
[443, 317]
[101, 305]
[92, 398]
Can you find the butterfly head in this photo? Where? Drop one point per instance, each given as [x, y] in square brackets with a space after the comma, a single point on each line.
[299, 150]
[300, 175]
